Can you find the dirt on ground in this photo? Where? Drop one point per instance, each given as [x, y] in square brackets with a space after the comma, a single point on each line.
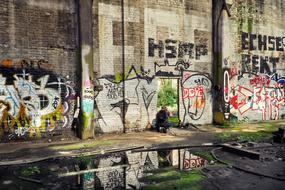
[271, 166]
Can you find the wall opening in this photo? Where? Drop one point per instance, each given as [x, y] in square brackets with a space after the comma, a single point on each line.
[168, 95]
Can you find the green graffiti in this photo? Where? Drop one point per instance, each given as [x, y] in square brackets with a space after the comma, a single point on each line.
[118, 77]
[88, 176]
[87, 119]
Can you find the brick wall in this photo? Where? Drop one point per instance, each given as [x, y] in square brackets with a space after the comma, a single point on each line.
[162, 39]
[253, 60]
[37, 66]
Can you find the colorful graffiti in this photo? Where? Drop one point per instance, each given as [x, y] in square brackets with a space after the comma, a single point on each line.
[226, 93]
[87, 99]
[191, 161]
[265, 96]
[29, 106]
[26, 64]
[195, 94]
[253, 81]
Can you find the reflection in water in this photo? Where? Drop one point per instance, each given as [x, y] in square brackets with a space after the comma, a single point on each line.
[118, 171]
[123, 170]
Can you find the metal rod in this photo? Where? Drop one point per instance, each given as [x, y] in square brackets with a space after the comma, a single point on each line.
[30, 180]
[123, 63]
[176, 147]
[91, 170]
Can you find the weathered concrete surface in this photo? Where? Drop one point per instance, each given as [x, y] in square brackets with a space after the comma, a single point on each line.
[87, 87]
[162, 39]
[38, 67]
[236, 62]
[253, 60]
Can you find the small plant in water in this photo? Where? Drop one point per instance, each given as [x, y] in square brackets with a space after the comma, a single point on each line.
[32, 170]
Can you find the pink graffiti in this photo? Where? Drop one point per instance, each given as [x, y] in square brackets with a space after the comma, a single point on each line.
[186, 76]
[233, 72]
[87, 83]
[267, 100]
[196, 162]
[260, 81]
[193, 92]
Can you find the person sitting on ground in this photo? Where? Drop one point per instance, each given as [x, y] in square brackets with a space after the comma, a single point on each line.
[162, 119]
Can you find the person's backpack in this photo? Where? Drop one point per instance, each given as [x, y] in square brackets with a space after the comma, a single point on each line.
[161, 116]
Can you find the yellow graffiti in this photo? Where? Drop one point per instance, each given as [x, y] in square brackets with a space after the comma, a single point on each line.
[23, 122]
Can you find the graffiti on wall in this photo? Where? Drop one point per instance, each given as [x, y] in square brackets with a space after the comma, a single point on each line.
[190, 161]
[175, 49]
[115, 179]
[87, 99]
[195, 94]
[226, 92]
[171, 70]
[138, 91]
[260, 94]
[173, 56]
[31, 104]
[26, 64]
[257, 85]
[253, 63]
[172, 59]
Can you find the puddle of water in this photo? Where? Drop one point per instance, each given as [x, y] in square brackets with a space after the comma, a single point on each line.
[124, 170]
[121, 170]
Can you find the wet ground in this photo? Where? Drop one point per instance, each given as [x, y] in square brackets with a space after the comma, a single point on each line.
[130, 170]
[271, 164]
[62, 166]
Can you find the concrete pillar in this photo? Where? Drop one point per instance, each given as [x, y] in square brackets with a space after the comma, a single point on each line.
[86, 50]
[217, 70]
[217, 17]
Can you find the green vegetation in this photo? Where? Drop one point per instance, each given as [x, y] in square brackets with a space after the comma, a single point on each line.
[167, 96]
[260, 126]
[174, 121]
[225, 137]
[30, 171]
[248, 132]
[254, 137]
[84, 161]
[244, 136]
[169, 178]
[204, 154]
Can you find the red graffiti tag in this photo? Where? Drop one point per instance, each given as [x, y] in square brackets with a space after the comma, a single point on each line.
[260, 81]
[266, 100]
[233, 72]
[193, 92]
[193, 163]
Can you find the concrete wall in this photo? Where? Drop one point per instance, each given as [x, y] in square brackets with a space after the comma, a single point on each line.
[253, 60]
[162, 39]
[37, 66]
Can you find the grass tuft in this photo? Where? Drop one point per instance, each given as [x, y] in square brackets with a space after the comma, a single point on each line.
[175, 179]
